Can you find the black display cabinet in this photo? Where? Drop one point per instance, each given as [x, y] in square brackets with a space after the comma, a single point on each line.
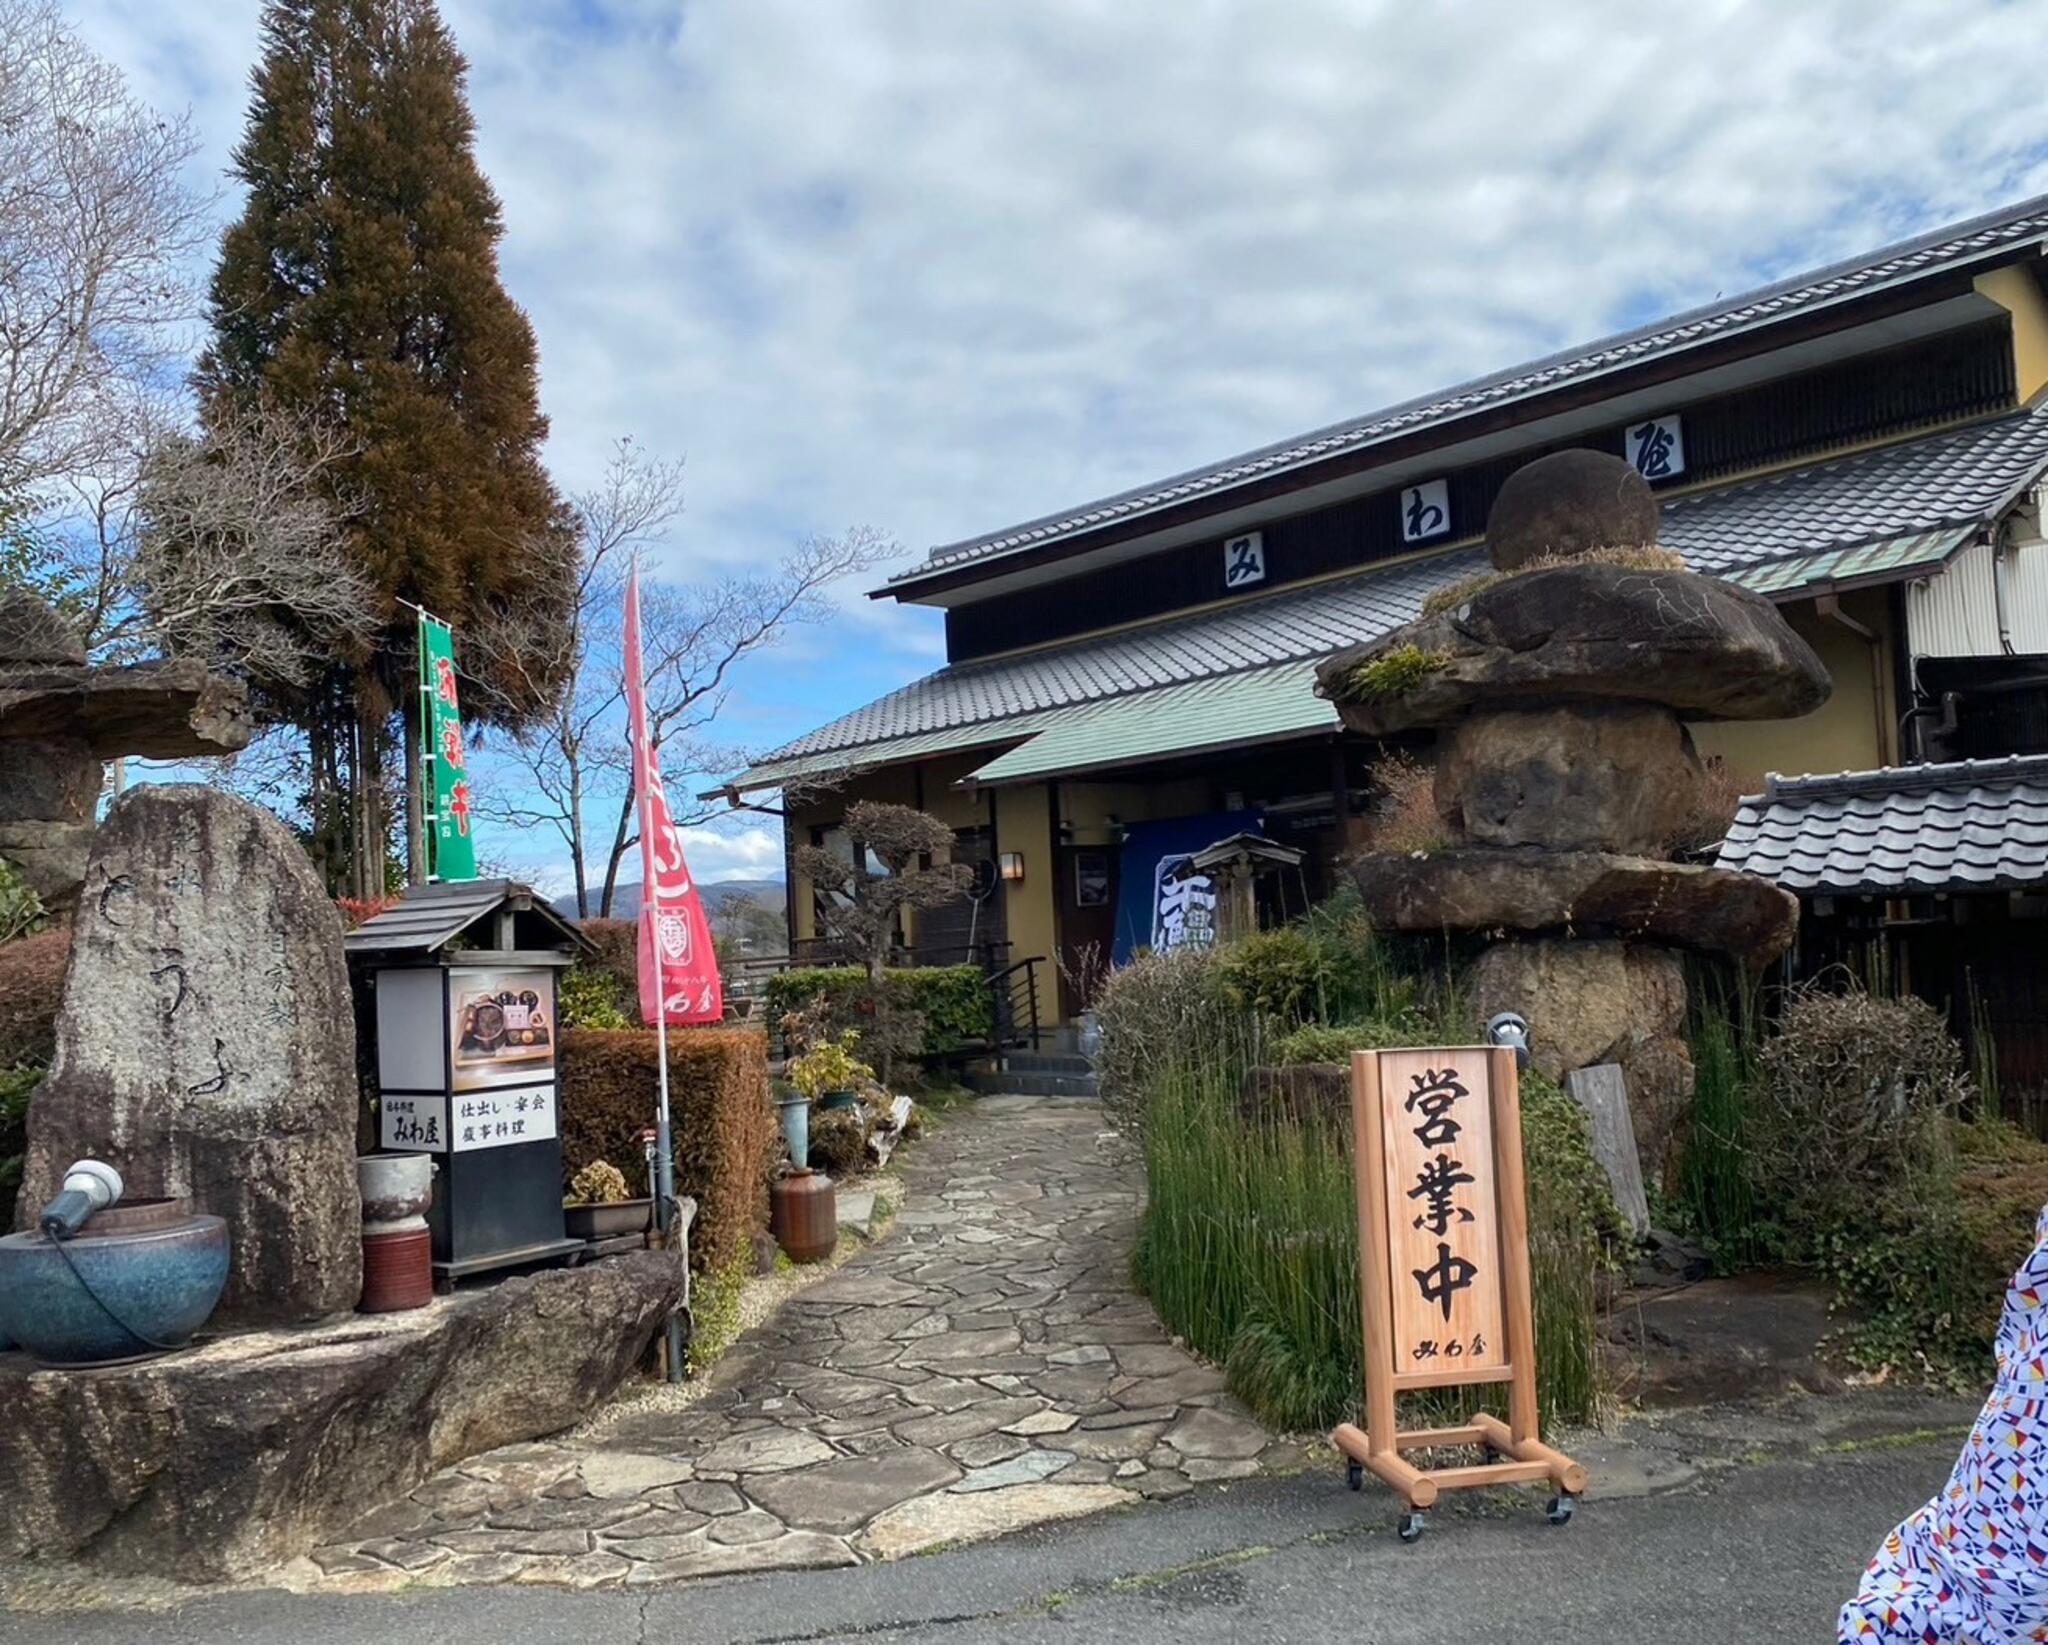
[462, 1011]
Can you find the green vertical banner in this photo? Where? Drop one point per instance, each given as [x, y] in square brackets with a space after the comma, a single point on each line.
[451, 842]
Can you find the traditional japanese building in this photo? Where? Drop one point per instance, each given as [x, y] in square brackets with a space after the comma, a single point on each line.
[1129, 681]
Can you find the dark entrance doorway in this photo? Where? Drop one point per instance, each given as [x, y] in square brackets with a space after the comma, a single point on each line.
[1086, 916]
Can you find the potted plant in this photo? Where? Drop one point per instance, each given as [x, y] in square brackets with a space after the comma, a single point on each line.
[599, 1205]
[829, 1073]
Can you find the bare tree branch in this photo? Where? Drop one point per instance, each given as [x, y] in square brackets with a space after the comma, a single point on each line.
[95, 222]
[222, 546]
[692, 637]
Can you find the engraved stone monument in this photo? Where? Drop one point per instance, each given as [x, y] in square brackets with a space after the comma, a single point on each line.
[206, 1046]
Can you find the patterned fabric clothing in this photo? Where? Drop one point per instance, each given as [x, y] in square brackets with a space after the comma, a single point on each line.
[1971, 1568]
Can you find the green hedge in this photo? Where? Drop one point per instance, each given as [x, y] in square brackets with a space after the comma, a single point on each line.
[958, 1008]
[725, 1128]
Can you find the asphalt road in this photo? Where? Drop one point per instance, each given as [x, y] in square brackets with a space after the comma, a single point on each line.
[1764, 1552]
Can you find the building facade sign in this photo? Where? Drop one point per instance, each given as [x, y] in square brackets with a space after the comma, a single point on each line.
[1425, 511]
[1656, 447]
[1244, 560]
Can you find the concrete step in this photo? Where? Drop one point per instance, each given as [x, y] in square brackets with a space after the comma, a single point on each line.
[996, 1082]
[1048, 1062]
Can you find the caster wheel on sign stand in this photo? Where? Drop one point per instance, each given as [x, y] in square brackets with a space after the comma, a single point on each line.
[1489, 1455]
[1354, 1475]
[1413, 1523]
[1560, 1510]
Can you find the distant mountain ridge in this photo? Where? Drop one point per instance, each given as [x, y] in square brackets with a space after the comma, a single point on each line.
[770, 894]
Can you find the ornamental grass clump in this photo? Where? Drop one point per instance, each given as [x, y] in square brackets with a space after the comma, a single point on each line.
[1249, 1247]
[1404, 819]
[1392, 674]
[1637, 557]
[1249, 1242]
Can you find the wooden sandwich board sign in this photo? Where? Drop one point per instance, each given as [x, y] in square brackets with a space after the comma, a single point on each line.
[1443, 1242]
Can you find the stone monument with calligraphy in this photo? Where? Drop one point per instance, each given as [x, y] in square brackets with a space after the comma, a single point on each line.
[206, 1045]
[1560, 694]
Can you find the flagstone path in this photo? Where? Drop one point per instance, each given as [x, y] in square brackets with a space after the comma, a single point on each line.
[985, 1366]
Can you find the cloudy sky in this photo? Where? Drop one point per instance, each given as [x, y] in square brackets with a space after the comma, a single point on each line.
[941, 265]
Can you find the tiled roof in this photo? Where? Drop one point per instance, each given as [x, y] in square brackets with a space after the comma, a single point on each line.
[1228, 711]
[429, 916]
[1959, 478]
[1880, 514]
[1976, 825]
[1928, 253]
[1308, 621]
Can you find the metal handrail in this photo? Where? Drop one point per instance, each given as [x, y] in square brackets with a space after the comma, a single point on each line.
[1016, 986]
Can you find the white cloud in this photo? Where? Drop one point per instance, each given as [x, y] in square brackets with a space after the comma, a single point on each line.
[945, 267]
[715, 854]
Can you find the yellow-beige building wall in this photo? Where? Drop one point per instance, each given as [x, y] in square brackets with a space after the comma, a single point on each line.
[1856, 729]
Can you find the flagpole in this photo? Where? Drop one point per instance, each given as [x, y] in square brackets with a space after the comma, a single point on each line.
[650, 887]
[428, 790]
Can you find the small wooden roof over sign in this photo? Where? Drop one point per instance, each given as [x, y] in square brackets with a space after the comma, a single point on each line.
[498, 917]
[1255, 849]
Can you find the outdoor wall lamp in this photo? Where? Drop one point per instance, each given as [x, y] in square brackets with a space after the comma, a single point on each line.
[1511, 1029]
[1013, 866]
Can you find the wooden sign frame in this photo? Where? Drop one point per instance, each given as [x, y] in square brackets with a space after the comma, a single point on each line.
[1518, 1443]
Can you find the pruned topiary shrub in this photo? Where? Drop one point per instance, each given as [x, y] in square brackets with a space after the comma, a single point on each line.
[724, 1122]
[1864, 1169]
[1855, 1092]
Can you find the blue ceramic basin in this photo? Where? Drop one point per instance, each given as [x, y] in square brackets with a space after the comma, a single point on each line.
[152, 1274]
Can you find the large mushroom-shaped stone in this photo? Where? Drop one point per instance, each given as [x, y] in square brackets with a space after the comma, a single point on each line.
[1584, 633]
[206, 1045]
[1586, 893]
[61, 719]
[1568, 504]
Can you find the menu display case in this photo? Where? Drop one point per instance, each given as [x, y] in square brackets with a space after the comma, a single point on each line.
[466, 1037]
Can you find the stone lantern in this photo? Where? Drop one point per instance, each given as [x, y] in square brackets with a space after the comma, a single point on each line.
[1560, 693]
[61, 719]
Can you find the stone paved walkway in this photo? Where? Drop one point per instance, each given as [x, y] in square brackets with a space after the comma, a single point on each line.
[986, 1366]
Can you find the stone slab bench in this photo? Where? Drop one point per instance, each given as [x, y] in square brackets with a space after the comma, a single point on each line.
[221, 1461]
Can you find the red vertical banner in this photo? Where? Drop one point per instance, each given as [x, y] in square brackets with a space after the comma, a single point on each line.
[679, 979]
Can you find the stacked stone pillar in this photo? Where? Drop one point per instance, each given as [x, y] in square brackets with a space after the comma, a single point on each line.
[1561, 693]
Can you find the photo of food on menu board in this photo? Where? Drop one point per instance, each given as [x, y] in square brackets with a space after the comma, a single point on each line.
[503, 1026]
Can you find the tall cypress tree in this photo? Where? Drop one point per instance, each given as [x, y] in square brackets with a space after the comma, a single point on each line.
[360, 286]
